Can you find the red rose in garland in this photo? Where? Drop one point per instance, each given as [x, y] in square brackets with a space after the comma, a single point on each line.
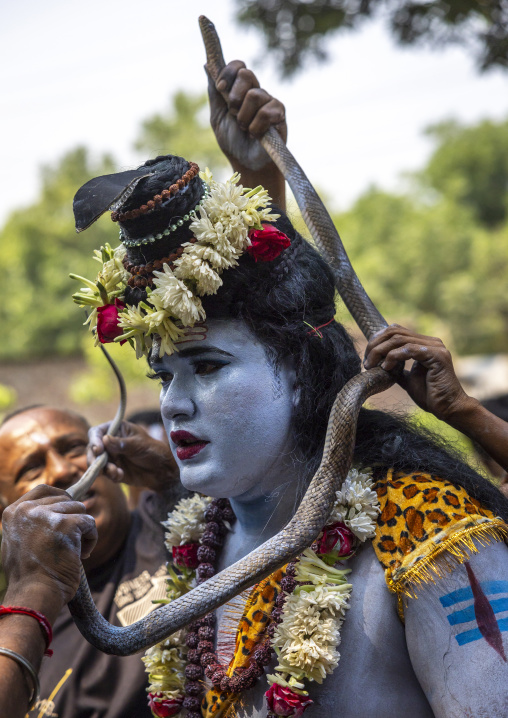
[336, 537]
[186, 555]
[166, 707]
[284, 702]
[107, 322]
[267, 243]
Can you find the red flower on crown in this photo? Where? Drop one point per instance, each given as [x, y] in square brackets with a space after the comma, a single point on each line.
[107, 322]
[267, 243]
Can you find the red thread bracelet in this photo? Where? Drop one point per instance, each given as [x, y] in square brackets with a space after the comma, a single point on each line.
[45, 625]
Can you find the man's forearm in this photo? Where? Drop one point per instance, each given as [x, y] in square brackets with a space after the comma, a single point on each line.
[22, 635]
[483, 427]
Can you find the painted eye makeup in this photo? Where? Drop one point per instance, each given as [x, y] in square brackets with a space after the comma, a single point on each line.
[162, 377]
[208, 366]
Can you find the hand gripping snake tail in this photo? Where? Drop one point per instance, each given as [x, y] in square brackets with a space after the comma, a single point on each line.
[318, 501]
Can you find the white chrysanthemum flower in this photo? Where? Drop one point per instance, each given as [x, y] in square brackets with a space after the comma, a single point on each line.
[357, 505]
[204, 229]
[177, 298]
[308, 634]
[362, 526]
[186, 523]
[194, 268]
[209, 254]
[328, 598]
[165, 664]
[307, 638]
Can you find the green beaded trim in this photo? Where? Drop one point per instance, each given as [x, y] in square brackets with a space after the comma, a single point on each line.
[151, 238]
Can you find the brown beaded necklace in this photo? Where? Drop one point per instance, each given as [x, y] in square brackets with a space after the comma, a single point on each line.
[156, 201]
[142, 274]
[201, 656]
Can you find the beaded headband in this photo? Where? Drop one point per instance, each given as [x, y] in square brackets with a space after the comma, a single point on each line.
[227, 221]
[151, 238]
[157, 201]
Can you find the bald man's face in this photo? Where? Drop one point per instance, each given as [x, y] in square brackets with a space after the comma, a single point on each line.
[48, 446]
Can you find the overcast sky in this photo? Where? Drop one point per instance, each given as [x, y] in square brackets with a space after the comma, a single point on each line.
[89, 72]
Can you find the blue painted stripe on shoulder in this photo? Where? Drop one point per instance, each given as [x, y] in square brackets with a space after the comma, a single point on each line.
[466, 594]
[467, 614]
[475, 635]
[462, 594]
[468, 636]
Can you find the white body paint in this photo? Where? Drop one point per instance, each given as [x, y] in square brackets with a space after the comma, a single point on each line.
[244, 410]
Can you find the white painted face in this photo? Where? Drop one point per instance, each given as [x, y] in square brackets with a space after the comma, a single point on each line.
[227, 412]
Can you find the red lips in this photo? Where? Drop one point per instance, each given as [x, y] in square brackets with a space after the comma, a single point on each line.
[187, 445]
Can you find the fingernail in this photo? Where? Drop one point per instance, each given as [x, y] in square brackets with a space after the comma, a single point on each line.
[383, 365]
[366, 363]
[221, 85]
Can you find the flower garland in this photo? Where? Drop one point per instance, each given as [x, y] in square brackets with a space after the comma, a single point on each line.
[306, 621]
[230, 222]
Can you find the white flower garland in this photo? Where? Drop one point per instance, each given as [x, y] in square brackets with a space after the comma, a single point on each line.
[308, 636]
[226, 215]
[186, 523]
[306, 640]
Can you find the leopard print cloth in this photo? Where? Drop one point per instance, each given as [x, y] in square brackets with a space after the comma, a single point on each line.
[426, 527]
[251, 631]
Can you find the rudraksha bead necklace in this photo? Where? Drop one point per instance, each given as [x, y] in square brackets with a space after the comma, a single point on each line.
[202, 658]
[158, 199]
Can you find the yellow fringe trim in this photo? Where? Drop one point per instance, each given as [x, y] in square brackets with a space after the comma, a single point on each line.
[448, 552]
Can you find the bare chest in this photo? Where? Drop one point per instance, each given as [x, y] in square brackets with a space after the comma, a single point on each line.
[374, 676]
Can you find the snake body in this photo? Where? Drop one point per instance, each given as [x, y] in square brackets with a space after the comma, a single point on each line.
[317, 503]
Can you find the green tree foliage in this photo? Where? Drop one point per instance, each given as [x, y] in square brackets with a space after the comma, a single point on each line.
[183, 130]
[294, 30]
[38, 249]
[442, 266]
[470, 165]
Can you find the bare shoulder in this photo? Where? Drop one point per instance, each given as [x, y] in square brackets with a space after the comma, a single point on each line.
[457, 637]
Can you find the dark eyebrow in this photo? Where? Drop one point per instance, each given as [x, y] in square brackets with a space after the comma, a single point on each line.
[32, 459]
[61, 441]
[196, 351]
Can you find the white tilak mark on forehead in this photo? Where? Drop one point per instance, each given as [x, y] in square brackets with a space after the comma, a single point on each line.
[193, 334]
[39, 438]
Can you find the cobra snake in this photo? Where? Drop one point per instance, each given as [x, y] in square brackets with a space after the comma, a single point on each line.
[317, 503]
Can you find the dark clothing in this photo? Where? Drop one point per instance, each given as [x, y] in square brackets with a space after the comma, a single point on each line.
[79, 681]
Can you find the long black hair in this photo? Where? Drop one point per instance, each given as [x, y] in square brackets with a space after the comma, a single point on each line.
[281, 301]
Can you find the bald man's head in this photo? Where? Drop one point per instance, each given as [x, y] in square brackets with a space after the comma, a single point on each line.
[43, 445]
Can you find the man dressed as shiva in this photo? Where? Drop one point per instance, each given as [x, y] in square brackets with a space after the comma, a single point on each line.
[399, 607]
